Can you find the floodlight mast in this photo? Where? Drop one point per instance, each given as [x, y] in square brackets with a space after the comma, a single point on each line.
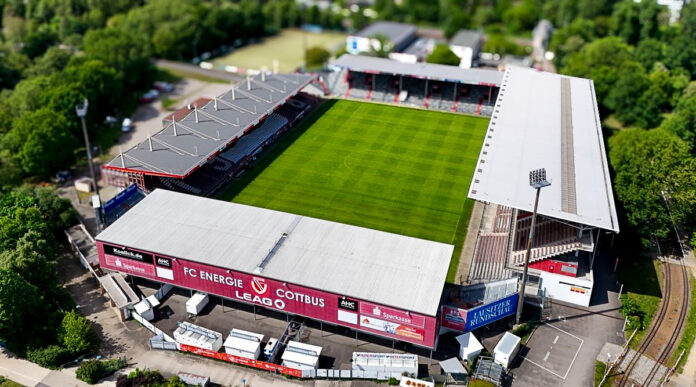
[81, 110]
[537, 180]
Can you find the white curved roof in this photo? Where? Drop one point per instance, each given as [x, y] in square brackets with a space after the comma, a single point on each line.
[546, 120]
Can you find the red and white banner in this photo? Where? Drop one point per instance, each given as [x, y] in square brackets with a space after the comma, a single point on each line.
[242, 360]
[330, 307]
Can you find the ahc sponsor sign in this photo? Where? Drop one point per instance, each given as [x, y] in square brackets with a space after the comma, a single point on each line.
[464, 320]
[291, 298]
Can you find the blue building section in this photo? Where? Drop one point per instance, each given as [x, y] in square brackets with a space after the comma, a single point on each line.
[121, 203]
[486, 314]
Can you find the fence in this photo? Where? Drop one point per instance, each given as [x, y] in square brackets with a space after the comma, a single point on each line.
[159, 342]
[153, 328]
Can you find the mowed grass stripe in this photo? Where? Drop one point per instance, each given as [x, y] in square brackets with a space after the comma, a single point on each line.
[399, 170]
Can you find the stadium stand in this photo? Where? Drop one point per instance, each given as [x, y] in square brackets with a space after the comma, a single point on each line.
[490, 253]
[187, 155]
[438, 87]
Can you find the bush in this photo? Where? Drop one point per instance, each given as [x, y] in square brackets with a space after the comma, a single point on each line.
[393, 381]
[76, 333]
[317, 56]
[149, 378]
[90, 371]
[443, 55]
[50, 357]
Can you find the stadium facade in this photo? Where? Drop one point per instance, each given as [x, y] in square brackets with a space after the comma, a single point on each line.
[370, 281]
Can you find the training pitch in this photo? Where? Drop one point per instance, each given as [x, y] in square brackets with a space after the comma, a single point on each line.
[286, 48]
[400, 170]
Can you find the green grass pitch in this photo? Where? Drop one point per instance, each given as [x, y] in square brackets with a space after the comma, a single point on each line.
[400, 170]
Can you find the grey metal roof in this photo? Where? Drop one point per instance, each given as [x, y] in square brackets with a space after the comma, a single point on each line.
[545, 120]
[420, 70]
[389, 269]
[182, 146]
[466, 38]
[396, 32]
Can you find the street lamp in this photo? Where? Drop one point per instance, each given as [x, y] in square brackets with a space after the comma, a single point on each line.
[82, 112]
[537, 180]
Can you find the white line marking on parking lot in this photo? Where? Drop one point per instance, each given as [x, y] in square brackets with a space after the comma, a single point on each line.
[555, 340]
[547, 353]
[547, 356]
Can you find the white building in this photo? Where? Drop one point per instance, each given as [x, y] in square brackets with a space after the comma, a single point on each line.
[199, 337]
[301, 356]
[466, 44]
[399, 36]
[243, 344]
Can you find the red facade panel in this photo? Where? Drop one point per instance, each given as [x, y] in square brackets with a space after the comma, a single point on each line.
[333, 308]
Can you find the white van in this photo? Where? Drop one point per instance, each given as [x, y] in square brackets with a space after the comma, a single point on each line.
[270, 346]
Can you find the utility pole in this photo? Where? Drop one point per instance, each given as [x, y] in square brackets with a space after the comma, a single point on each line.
[537, 180]
[82, 112]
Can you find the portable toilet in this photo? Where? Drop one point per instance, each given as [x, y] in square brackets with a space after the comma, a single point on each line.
[469, 346]
[506, 349]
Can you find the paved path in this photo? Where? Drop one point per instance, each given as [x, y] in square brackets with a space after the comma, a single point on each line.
[190, 68]
[30, 374]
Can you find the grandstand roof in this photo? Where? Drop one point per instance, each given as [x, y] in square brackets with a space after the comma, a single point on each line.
[545, 120]
[467, 38]
[182, 146]
[431, 71]
[396, 32]
[393, 270]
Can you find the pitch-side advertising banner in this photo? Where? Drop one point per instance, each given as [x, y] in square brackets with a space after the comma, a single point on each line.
[291, 298]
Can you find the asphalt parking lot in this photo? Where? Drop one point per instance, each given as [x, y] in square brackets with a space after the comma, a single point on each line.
[553, 350]
[581, 334]
[338, 343]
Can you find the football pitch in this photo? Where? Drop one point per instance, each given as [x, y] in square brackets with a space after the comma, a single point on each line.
[400, 170]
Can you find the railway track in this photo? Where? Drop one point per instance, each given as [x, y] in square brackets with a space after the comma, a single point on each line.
[659, 324]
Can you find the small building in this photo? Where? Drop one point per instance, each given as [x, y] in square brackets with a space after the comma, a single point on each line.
[469, 346]
[243, 344]
[506, 349]
[417, 51]
[466, 44]
[196, 303]
[301, 356]
[199, 337]
[399, 36]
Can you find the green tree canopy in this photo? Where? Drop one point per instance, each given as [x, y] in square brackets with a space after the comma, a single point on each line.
[649, 163]
[443, 55]
[41, 141]
[76, 333]
[317, 56]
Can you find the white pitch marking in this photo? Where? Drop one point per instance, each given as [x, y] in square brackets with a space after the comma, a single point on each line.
[547, 356]
[555, 340]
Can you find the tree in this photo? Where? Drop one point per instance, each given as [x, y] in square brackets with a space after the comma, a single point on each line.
[52, 61]
[42, 142]
[522, 17]
[501, 44]
[682, 122]
[382, 47]
[23, 314]
[599, 61]
[443, 55]
[648, 164]
[317, 56]
[648, 52]
[76, 333]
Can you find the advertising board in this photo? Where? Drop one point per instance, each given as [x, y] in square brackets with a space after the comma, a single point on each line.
[242, 360]
[464, 320]
[273, 294]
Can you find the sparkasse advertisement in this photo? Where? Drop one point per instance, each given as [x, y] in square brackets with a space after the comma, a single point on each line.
[282, 296]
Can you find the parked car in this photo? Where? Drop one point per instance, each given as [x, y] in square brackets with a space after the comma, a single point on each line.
[62, 176]
[150, 96]
[164, 87]
[127, 125]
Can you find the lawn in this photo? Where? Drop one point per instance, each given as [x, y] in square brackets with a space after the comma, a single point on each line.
[285, 47]
[641, 277]
[400, 170]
